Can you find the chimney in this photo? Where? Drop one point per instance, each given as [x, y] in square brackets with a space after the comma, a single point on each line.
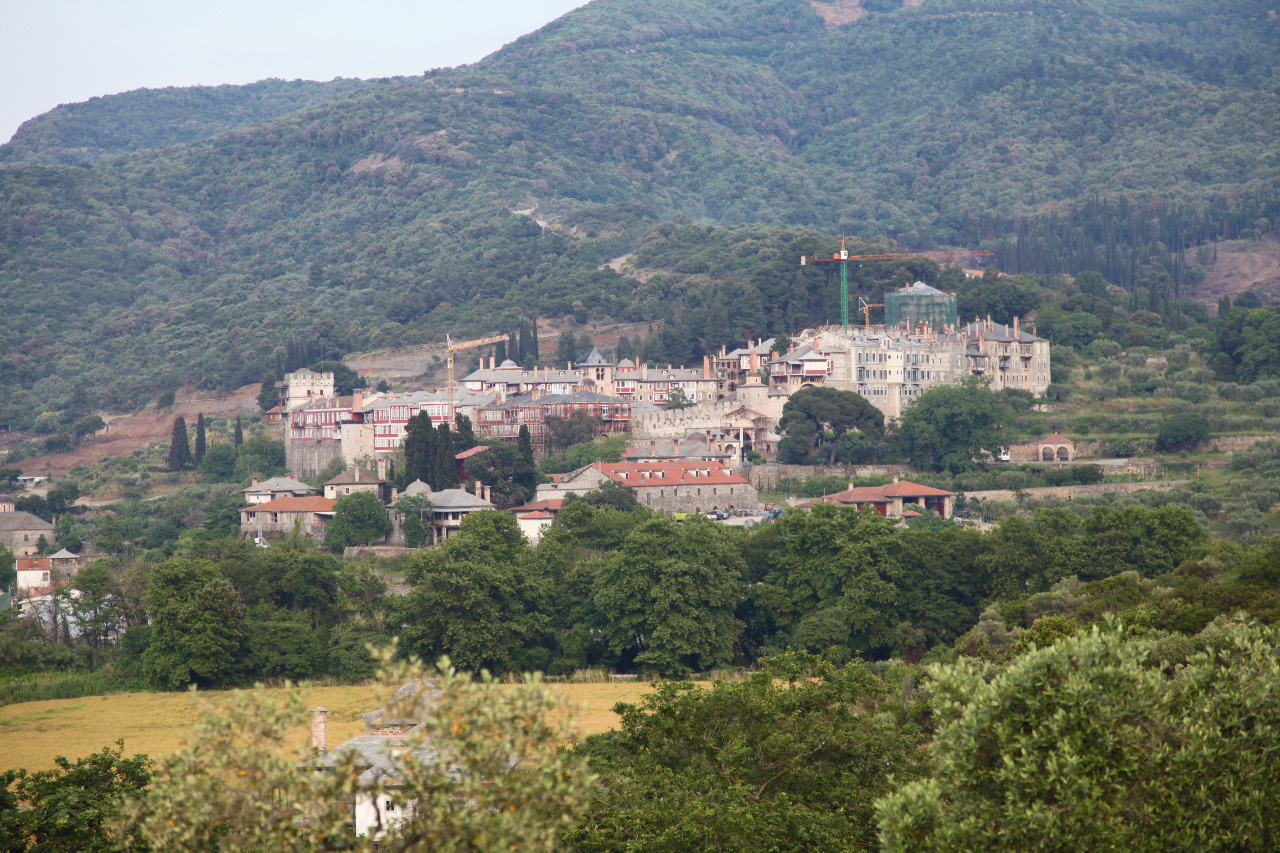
[318, 729]
[357, 401]
[851, 485]
[653, 448]
[253, 482]
[706, 367]
[644, 371]
[486, 492]
[1016, 334]
[395, 493]
[382, 469]
[817, 343]
[479, 490]
[675, 447]
[895, 478]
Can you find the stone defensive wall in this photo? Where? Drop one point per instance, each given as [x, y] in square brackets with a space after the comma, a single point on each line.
[1068, 492]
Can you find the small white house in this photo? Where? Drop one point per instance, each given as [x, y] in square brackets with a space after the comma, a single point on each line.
[532, 524]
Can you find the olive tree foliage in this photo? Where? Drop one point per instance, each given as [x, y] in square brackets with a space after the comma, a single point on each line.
[1088, 745]
[497, 779]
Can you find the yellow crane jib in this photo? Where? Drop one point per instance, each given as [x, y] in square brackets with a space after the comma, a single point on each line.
[452, 347]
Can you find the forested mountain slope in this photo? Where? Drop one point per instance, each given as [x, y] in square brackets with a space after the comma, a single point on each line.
[151, 118]
[385, 213]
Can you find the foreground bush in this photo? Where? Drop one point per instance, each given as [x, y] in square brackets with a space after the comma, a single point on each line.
[1087, 746]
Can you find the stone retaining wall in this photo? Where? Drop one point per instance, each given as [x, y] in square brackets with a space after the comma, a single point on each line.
[766, 477]
[1068, 492]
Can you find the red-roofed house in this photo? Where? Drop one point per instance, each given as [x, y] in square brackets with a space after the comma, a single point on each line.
[532, 524]
[310, 515]
[891, 499]
[673, 486]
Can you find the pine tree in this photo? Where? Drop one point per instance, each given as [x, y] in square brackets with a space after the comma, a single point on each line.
[200, 438]
[238, 439]
[179, 450]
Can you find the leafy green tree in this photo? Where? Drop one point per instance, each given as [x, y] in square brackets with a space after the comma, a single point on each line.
[470, 600]
[415, 515]
[677, 399]
[667, 597]
[507, 471]
[1150, 540]
[8, 574]
[198, 455]
[357, 520]
[785, 759]
[1180, 431]
[578, 428]
[197, 626]
[828, 410]
[948, 427]
[219, 463]
[608, 494]
[260, 456]
[268, 396]
[87, 426]
[828, 581]
[179, 449]
[1086, 745]
[165, 400]
[75, 807]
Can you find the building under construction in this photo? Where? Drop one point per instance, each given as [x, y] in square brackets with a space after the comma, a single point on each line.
[919, 303]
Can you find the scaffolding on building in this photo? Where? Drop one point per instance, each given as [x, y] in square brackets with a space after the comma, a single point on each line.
[919, 303]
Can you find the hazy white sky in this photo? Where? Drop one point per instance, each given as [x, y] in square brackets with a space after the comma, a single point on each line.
[62, 51]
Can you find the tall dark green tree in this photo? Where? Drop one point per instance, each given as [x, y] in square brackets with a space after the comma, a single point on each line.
[811, 412]
[419, 450]
[179, 449]
[238, 438]
[198, 455]
[446, 467]
[464, 437]
[268, 396]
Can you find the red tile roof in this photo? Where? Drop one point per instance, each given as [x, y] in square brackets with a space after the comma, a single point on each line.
[644, 474]
[536, 515]
[1056, 438]
[467, 454]
[883, 494]
[291, 504]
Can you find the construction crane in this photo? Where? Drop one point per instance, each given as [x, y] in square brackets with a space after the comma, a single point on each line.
[451, 347]
[866, 309]
[843, 258]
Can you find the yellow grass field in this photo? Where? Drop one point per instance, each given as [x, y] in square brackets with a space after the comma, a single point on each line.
[32, 734]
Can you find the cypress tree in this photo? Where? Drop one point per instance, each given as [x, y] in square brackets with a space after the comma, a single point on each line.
[238, 439]
[419, 452]
[179, 450]
[446, 465]
[526, 475]
[533, 339]
[200, 438]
